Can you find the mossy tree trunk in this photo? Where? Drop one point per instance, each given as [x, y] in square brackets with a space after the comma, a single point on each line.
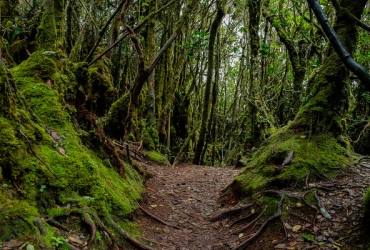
[51, 29]
[316, 135]
[327, 105]
[207, 94]
[150, 134]
[253, 131]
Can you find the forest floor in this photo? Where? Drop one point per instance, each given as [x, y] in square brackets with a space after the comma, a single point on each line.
[187, 197]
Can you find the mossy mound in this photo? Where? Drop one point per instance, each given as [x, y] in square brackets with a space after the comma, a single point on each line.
[46, 171]
[157, 157]
[319, 154]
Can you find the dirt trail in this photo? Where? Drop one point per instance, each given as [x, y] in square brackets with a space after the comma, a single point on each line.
[186, 197]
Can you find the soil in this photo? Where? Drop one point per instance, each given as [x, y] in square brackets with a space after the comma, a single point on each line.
[187, 197]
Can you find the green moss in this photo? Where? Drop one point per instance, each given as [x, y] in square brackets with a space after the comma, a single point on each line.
[320, 155]
[157, 157]
[86, 181]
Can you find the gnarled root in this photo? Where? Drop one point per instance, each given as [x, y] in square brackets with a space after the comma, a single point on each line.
[126, 235]
[260, 231]
[92, 227]
[231, 212]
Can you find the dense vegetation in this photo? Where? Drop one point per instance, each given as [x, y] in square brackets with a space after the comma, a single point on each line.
[210, 82]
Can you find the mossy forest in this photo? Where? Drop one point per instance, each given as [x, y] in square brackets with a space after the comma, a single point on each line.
[188, 124]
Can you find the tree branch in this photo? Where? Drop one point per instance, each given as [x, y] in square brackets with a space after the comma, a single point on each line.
[102, 31]
[134, 29]
[350, 15]
[338, 46]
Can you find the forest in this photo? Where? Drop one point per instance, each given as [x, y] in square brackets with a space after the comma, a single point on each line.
[188, 124]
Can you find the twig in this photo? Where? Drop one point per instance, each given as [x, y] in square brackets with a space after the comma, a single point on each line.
[42, 161]
[156, 218]
[259, 232]
[231, 212]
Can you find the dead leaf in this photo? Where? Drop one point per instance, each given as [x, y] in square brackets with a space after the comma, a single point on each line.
[288, 158]
[55, 136]
[13, 243]
[75, 239]
[296, 228]
[62, 152]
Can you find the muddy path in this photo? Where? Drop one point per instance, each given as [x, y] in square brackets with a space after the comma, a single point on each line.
[180, 203]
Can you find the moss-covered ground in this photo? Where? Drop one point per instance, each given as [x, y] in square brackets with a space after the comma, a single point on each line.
[46, 171]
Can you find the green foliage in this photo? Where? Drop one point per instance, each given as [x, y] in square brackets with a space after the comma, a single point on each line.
[57, 241]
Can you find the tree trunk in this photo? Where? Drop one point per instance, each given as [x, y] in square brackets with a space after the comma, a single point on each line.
[327, 105]
[207, 94]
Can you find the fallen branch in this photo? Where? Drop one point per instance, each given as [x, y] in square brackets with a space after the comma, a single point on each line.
[156, 218]
[231, 212]
[251, 223]
[92, 227]
[259, 232]
[126, 235]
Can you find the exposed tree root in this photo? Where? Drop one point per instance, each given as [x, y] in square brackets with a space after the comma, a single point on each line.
[246, 243]
[92, 227]
[156, 218]
[286, 234]
[72, 247]
[308, 204]
[284, 193]
[231, 212]
[126, 235]
[56, 224]
[99, 222]
[251, 223]
[240, 220]
[41, 226]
